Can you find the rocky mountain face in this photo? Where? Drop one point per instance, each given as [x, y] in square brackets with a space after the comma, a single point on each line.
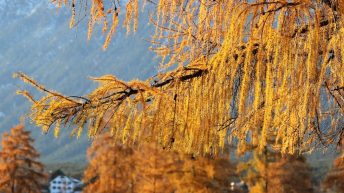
[35, 39]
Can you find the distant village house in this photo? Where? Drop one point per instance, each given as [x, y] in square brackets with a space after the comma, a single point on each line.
[60, 183]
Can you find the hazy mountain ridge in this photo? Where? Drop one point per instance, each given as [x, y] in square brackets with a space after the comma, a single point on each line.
[62, 59]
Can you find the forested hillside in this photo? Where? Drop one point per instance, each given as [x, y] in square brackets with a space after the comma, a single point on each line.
[62, 59]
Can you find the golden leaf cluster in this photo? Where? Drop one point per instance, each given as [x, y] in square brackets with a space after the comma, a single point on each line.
[335, 178]
[117, 168]
[20, 169]
[272, 172]
[242, 70]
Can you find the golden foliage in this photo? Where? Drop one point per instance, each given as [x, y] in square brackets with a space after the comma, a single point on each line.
[240, 69]
[271, 172]
[335, 178]
[290, 174]
[111, 168]
[116, 168]
[20, 169]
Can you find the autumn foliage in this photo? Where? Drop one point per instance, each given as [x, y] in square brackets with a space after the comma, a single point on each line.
[20, 169]
[270, 172]
[262, 75]
[230, 70]
[290, 174]
[116, 168]
[335, 178]
[110, 169]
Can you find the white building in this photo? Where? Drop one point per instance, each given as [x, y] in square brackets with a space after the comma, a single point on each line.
[60, 183]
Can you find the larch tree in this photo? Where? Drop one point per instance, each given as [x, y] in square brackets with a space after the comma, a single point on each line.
[205, 175]
[157, 172]
[334, 181]
[290, 174]
[271, 172]
[230, 69]
[161, 171]
[20, 169]
[116, 168]
[111, 168]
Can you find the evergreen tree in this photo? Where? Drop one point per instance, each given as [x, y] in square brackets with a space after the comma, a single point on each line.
[20, 169]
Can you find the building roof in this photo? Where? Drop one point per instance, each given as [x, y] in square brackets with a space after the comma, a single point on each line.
[55, 174]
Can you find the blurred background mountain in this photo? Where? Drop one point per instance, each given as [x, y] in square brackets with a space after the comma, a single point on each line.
[35, 39]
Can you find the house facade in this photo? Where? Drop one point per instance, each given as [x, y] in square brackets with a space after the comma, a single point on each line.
[60, 183]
